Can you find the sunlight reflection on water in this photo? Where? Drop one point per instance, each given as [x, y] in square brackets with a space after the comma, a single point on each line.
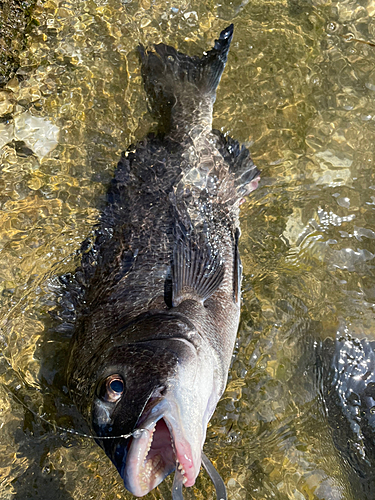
[299, 91]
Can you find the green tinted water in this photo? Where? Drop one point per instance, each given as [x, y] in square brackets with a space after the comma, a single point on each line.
[299, 90]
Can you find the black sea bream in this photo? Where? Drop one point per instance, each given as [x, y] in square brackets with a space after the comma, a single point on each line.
[156, 299]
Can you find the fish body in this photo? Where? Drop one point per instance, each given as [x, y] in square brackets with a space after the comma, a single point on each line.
[156, 298]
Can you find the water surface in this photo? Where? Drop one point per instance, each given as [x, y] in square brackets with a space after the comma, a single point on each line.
[299, 90]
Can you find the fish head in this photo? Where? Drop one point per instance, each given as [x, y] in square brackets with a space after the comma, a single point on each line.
[161, 386]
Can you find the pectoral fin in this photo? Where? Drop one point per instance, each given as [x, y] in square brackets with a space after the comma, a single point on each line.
[197, 270]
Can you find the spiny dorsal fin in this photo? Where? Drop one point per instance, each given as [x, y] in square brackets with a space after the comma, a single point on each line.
[197, 271]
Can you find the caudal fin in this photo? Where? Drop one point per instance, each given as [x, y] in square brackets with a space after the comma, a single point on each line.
[181, 88]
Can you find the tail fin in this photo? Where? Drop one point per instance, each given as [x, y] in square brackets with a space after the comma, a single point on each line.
[182, 89]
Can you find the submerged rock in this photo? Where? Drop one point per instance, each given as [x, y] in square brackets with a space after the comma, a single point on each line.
[347, 370]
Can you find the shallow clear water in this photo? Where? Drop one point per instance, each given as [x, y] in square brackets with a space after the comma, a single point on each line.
[299, 90]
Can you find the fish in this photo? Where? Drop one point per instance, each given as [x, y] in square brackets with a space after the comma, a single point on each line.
[346, 369]
[156, 299]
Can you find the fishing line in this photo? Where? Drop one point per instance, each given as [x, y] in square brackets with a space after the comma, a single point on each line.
[136, 433]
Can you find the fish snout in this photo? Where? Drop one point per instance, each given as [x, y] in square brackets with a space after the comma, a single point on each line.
[157, 448]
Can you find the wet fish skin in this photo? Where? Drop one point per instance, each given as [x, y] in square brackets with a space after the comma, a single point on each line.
[156, 299]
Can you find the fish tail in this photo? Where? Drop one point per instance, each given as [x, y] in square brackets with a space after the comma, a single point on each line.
[181, 88]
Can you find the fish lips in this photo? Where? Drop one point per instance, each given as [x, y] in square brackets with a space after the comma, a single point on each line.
[147, 459]
[155, 450]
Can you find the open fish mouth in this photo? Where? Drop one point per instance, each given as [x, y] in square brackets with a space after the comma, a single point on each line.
[155, 450]
[154, 453]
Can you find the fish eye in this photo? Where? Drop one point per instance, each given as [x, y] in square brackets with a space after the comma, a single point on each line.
[114, 388]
